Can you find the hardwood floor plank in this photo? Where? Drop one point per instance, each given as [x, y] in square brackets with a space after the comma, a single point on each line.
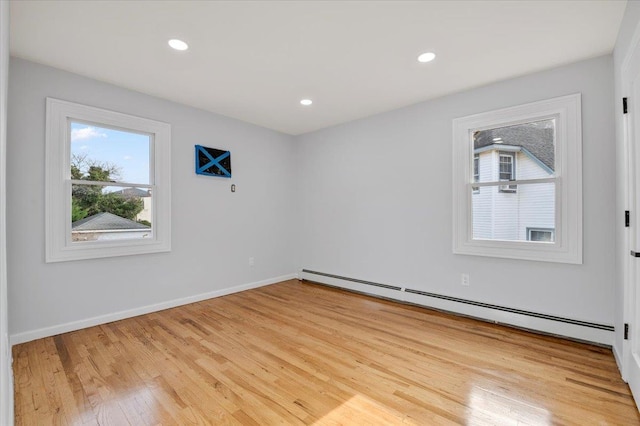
[300, 353]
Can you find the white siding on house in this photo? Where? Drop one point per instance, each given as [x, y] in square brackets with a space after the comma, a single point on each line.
[537, 201]
[483, 199]
[507, 215]
[528, 168]
[145, 214]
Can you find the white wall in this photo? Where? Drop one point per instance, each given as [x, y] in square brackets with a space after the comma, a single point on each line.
[6, 376]
[376, 194]
[214, 231]
[630, 22]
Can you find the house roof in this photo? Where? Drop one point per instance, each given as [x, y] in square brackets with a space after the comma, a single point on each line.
[106, 221]
[133, 192]
[537, 138]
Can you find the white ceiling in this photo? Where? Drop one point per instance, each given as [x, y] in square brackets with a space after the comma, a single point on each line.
[255, 60]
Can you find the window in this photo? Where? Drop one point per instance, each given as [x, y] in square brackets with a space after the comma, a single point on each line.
[507, 170]
[476, 171]
[108, 183]
[539, 234]
[537, 148]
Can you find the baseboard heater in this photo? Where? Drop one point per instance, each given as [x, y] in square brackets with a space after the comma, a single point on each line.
[468, 302]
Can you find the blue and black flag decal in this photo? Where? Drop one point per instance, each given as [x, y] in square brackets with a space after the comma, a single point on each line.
[213, 162]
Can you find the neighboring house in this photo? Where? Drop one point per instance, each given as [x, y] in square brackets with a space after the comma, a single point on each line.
[107, 226]
[145, 195]
[523, 212]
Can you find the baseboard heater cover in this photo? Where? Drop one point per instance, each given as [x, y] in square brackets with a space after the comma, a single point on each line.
[470, 302]
[390, 287]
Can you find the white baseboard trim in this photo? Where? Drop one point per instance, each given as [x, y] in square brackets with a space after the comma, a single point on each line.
[28, 336]
[544, 325]
[617, 355]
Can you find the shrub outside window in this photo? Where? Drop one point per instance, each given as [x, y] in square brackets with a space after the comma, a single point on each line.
[108, 183]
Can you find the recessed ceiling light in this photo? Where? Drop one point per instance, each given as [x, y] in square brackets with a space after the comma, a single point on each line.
[426, 57]
[178, 44]
[306, 102]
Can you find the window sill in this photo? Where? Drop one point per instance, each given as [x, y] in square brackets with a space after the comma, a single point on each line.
[521, 250]
[88, 250]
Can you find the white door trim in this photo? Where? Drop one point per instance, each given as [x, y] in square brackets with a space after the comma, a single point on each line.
[630, 68]
[6, 374]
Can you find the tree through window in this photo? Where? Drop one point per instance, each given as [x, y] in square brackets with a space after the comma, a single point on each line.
[108, 183]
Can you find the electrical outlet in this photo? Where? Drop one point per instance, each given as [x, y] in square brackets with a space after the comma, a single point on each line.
[465, 279]
[252, 261]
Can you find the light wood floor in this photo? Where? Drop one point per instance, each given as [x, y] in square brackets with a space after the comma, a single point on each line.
[298, 353]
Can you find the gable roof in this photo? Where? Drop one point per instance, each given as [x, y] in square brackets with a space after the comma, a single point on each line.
[536, 138]
[133, 192]
[105, 222]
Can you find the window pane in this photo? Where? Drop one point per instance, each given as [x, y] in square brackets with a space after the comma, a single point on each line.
[476, 170]
[499, 215]
[506, 167]
[103, 154]
[100, 213]
[543, 235]
[524, 151]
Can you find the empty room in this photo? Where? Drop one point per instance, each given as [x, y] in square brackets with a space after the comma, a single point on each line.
[319, 212]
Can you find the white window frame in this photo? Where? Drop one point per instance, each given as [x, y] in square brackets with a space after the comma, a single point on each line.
[567, 177]
[59, 246]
